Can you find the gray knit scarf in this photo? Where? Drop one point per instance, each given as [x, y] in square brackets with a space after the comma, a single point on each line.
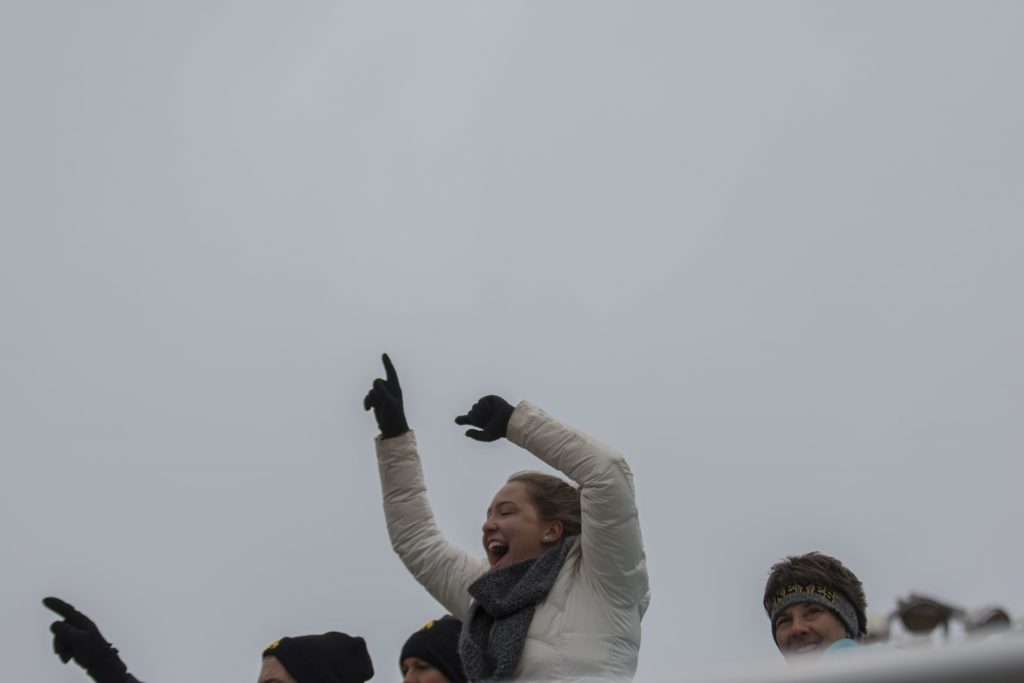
[494, 631]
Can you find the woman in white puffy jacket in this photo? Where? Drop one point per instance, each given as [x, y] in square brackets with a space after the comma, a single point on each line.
[563, 588]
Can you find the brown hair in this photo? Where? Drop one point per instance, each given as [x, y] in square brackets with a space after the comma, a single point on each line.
[821, 569]
[554, 498]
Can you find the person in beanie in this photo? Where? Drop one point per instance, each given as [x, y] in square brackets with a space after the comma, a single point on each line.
[431, 655]
[329, 658]
[815, 605]
[562, 588]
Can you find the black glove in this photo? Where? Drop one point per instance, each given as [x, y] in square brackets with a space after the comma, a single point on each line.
[78, 638]
[385, 397]
[491, 414]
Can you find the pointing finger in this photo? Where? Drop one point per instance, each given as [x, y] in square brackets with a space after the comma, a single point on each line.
[62, 608]
[389, 370]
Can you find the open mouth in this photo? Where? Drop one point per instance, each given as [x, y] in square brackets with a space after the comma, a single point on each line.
[495, 551]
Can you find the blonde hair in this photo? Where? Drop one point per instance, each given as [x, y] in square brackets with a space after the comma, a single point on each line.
[554, 498]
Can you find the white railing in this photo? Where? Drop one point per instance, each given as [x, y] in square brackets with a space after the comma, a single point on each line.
[993, 660]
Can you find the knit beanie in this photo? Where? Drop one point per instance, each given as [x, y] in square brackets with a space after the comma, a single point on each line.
[329, 658]
[437, 644]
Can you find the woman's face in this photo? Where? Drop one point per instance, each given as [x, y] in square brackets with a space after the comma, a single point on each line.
[805, 629]
[415, 670]
[513, 530]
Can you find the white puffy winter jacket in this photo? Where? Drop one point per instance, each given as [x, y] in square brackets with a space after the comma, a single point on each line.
[588, 626]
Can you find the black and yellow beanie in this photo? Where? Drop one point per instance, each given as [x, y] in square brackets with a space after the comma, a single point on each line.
[437, 644]
[328, 658]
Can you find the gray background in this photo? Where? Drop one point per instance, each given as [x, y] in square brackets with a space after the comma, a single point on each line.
[770, 251]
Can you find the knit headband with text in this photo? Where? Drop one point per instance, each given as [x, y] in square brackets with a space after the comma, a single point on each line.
[820, 595]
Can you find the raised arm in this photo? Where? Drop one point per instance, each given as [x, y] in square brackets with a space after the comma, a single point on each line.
[613, 551]
[442, 568]
[76, 637]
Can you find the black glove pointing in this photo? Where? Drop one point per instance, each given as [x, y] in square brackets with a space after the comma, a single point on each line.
[491, 414]
[76, 637]
[385, 398]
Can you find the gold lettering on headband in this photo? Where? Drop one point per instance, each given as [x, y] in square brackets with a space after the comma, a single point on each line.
[273, 645]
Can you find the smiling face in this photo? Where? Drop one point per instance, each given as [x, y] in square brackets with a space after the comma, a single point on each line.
[513, 530]
[806, 628]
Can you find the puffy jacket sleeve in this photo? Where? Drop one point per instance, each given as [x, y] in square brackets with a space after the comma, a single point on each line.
[443, 569]
[613, 550]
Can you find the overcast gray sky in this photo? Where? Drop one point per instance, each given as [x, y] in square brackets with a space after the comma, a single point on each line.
[770, 251]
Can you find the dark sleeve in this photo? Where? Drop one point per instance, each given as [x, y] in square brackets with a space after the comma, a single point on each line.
[111, 670]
